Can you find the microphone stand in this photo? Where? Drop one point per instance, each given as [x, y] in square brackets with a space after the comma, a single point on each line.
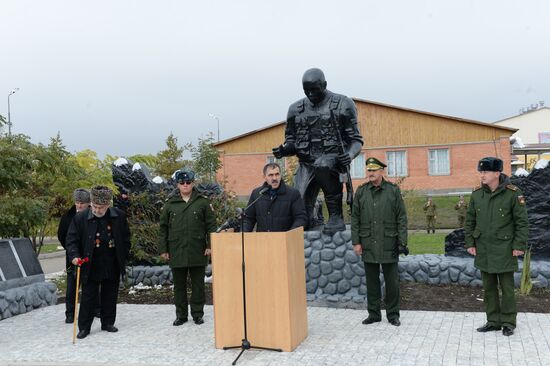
[245, 345]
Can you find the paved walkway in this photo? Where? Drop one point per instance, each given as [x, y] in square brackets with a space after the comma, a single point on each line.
[336, 337]
[52, 262]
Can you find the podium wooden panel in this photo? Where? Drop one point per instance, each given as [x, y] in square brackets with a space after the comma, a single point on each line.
[275, 289]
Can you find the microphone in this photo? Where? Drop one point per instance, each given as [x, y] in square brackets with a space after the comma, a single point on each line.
[231, 222]
[264, 190]
[226, 225]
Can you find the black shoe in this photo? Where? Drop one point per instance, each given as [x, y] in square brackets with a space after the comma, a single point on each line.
[109, 328]
[371, 320]
[488, 328]
[179, 321]
[198, 320]
[69, 319]
[83, 334]
[507, 331]
[395, 322]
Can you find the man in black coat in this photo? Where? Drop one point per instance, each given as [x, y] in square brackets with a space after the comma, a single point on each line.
[100, 234]
[81, 198]
[278, 207]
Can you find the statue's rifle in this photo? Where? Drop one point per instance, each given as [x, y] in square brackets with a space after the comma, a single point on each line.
[347, 174]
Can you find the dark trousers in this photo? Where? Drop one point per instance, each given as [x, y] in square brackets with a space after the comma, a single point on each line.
[70, 293]
[500, 312]
[90, 295]
[461, 220]
[392, 300]
[197, 291]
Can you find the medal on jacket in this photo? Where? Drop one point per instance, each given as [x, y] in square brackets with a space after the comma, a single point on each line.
[110, 244]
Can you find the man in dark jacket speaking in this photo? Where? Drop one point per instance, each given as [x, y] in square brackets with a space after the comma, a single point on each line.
[274, 206]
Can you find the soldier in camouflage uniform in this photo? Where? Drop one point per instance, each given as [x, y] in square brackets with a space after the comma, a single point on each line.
[431, 215]
[311, 135]
[496, 234]
[461, 207]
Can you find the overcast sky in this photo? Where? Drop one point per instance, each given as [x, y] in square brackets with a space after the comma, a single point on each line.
[118, 76]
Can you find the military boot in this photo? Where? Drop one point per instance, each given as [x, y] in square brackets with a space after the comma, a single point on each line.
[335, 221]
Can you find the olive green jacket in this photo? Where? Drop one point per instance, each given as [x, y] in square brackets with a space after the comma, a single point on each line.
[185, 229]
[430, 210]
[496, 224]
[379, 222]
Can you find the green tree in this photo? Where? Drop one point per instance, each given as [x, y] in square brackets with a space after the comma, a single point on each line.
[37, 181]
[93, 170]
[170, 159]
[23, 188]
[206, 159]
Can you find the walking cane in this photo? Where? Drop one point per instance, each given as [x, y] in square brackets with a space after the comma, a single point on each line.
[80, 262]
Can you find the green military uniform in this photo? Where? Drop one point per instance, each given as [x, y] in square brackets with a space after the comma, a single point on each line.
[185, 229]
[379, 224]
[431, 215]
[461, 208]
[496, 224]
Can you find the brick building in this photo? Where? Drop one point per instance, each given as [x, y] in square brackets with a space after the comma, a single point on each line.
[426, 151]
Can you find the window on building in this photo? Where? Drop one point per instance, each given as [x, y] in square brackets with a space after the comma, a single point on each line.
[357, 167]
[397, 163]
[439, 162]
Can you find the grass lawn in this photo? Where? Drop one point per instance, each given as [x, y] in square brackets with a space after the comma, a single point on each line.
[422, 243]
[446, 214]
[50, 248]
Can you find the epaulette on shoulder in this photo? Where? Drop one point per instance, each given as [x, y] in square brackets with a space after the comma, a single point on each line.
[362, 185]
[476, 188]
[511, 187]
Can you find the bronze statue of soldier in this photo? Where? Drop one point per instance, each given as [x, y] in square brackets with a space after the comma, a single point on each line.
[321, 130]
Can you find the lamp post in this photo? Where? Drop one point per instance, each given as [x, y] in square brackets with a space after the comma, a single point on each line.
[9, 117]
[212, 115]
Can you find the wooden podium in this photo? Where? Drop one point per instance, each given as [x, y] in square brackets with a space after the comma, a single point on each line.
[275, 289]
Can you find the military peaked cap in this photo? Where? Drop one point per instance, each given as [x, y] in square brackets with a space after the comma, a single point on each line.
[374, 164]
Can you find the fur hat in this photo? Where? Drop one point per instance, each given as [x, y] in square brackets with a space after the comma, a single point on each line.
[490, 164]
[81, 195]
[185, 175]
[101, 195]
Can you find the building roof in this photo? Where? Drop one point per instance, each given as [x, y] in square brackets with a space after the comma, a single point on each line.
[463, 120]
[519, 115]
[532, 149]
